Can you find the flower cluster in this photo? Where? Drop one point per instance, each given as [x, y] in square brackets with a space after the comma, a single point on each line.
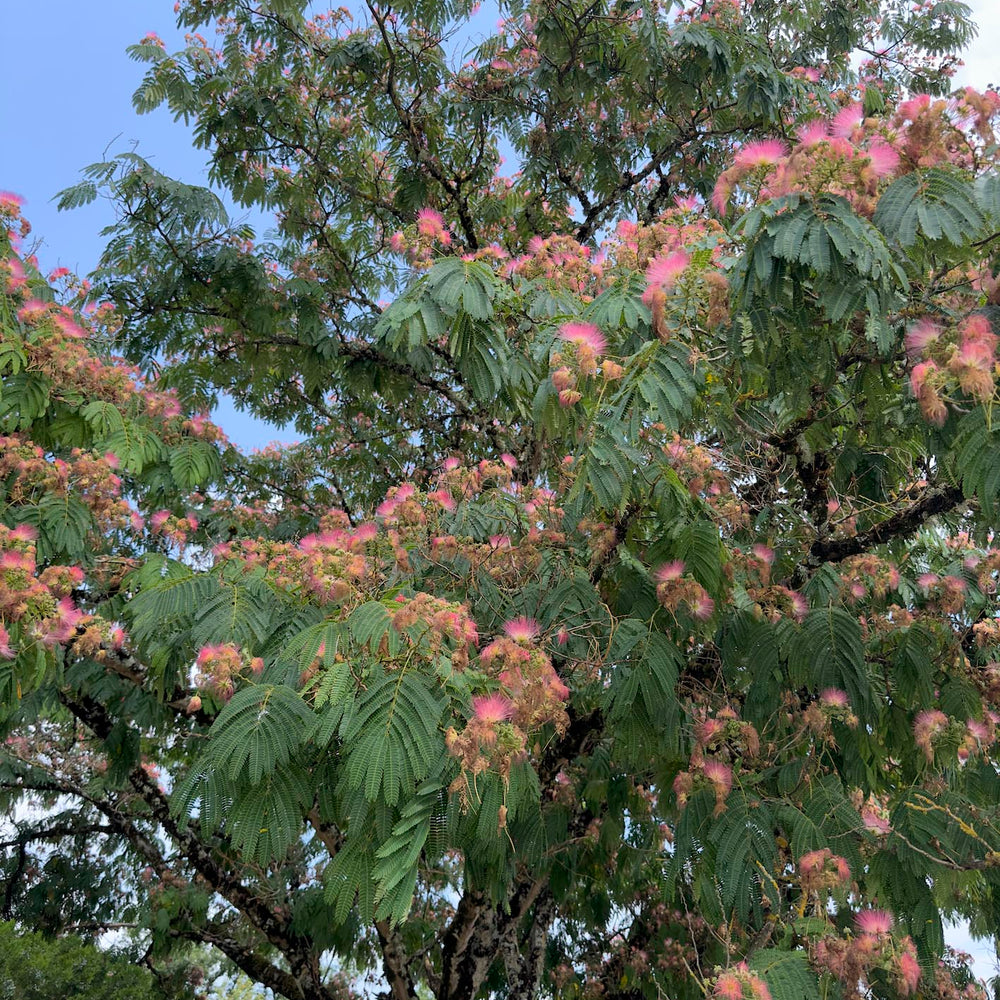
[823, 871]
[218, 668]
[439, 625]
[531, 695]
[852, 156]
[420, 241]
[740, 983]
[674, 588]
[579, 360]
[960, 359]
[852, 959]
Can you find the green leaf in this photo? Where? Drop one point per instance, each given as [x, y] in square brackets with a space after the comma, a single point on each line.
[787, 974]
[194, 463]
[392, 736]
[259, 729]
[395, 871]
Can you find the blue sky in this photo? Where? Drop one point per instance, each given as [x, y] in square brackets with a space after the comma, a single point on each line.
[65, 101]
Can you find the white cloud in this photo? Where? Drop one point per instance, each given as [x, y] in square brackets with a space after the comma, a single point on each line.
[982, 66]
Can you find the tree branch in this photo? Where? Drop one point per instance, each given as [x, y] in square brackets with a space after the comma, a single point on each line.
[934, 500]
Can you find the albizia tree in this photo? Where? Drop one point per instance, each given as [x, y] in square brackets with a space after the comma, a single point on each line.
[624, 623]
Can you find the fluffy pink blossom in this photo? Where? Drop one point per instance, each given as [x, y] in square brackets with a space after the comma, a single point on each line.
[430, 224]
[721, 192]
[665, 270]
[926, 726]
[834, 698]
[32, 311]
[62, 624]
[720, 775]
[921, 335]
[763, 553]
[702, 606]
[158, 519]
[909, 972]
[583, 335]
[814, 132]
[846, 121]
[728, 987]
[978, 327]
[492, 708]
[874, 922]
[521, 629]
[764, 153]
[884, 159]
[10, 203]
[6, 652]
[444, 498]
[670, 571]
[910, 110]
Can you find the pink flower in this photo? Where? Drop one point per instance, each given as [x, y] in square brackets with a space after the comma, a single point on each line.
[921, 335]
[69, 328]
[583, 335]
[508, 460]
[366, 532]
[492, 708]
[670, 571]
[720, 775]
[563, 379]
[62, 624]
[873, 821]
[158, 520]
[702, 606]
[10, 203]
[721, 192]
[6, 652]
[24, 533]
[444, 498]
[884, 159]
[834, 698]
[846, 121]
[911, 109]
[920, 375]
[979, 731]
[32, 311]
[926, 726]
[728, 987]
[800, 607]
[430, 223]
[521, 629]
[977, 327]
[909, 971]
[664, 271]
[874, 922]
[763, 553]
[975, 354]
[764, 153]
[813, 133]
